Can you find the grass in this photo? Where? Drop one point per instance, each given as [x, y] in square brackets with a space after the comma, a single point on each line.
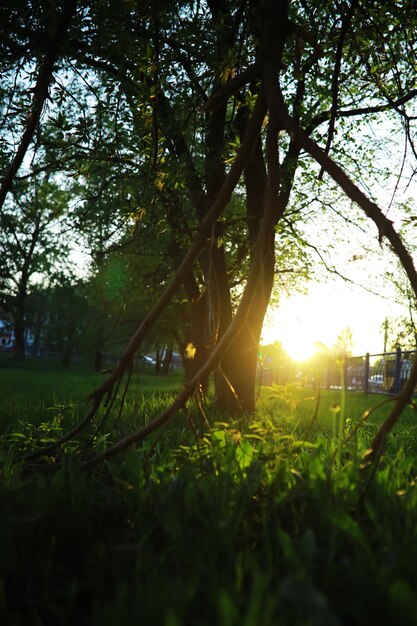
[249, 525]
[339, 413]
[36, 392]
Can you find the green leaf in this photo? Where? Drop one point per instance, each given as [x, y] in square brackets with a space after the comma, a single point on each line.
[244, 453]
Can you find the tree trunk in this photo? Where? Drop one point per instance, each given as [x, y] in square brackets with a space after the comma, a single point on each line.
[219, 306]
[166, 363]
[19, 338]
[39, 328]
[158, 361]
[239, 365]
[240, 362]
[198, 330]
[219, 319]
[19, 327]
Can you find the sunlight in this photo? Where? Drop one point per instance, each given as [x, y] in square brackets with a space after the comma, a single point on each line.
[304, 321]
[307, 323]
[297, 341]
[300, 347]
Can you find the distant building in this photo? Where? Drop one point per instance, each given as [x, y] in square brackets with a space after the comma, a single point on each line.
[6, 336]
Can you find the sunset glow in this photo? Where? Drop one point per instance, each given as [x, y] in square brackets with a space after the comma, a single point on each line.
[307, 323]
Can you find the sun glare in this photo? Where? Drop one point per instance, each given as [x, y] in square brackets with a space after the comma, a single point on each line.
[306, 324]
[296, 341]
[300, 348]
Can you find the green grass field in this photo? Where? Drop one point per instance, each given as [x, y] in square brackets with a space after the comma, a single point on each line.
[249, 524]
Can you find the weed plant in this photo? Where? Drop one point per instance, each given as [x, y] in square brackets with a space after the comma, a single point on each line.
[254, 523]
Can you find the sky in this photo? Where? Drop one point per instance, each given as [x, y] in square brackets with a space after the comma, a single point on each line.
[332, 304]
[320, 315]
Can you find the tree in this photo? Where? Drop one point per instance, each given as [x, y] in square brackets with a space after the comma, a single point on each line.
[210, 292]
[30, 247]
[67, 320]
[221, 97]
[343, 345]
[17, 49]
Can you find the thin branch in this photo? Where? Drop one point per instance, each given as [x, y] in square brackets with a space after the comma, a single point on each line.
[325, 115]
[365, 417]
[346, 21]
[40, 94]
[400, 173]
[238, 321]
[200, 240]
[385, 228]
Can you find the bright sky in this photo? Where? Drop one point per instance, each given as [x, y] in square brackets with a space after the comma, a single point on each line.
[332, 305]
[320, 316]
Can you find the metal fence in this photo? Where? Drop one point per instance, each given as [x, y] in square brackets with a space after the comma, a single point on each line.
[384, 373]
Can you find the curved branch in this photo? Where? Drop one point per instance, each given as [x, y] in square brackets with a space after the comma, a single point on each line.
[385, 228]
[242, 313]
[200, 239]
[40, 94]
[347, 18]
[230, 87]
[325, 115]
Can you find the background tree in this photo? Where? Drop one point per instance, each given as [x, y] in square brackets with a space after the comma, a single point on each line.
[31, 245]
[343, 345]
[68, 319]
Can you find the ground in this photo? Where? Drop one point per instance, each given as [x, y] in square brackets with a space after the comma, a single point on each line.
[262, 522]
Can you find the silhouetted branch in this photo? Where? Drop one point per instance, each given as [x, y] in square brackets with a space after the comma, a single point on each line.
[200, 240]
[242, 313]
[385, 228]
[381, 108]
[40, 94]
[346, 21]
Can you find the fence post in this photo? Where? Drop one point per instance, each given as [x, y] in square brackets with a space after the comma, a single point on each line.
[367, 371]
[397, 374]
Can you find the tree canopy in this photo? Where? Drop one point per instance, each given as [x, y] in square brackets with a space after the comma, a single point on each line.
[203, 135]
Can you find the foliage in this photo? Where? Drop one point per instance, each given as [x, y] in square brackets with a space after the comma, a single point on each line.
[31, 246]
